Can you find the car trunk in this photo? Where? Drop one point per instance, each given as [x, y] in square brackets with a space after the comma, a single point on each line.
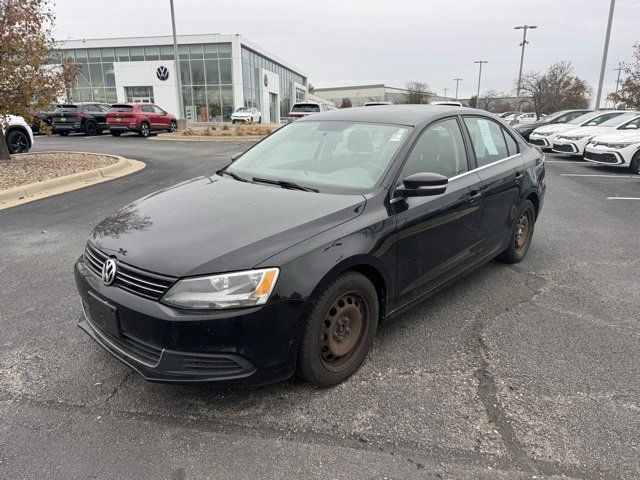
[65, 113]
[119, 114]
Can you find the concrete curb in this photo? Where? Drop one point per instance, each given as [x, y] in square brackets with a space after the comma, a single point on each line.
[169, 137]
[54, 186]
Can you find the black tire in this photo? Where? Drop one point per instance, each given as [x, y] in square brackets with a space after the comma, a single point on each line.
[63, 134]
[633, 166]
[173, 127]
[116, 134]
[520, 235]
[233, 122]
[91, 129]
[260, 119]
[330, 350]
[144, 130]
[17, 142]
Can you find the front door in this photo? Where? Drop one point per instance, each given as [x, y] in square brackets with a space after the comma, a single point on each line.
[273, 111]
[437, 236]
[501, 168]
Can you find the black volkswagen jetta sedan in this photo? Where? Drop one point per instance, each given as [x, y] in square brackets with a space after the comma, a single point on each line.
[288, 259]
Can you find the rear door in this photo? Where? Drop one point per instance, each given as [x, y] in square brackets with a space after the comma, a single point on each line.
[149, 113]
[501, 169]
[437, 235]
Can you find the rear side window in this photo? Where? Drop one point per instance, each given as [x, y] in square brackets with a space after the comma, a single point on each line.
[305, 108]
[121, 108]
[488, 140]
[512, 145]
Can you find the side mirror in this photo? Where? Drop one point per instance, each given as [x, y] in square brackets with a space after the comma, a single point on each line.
[631, 127]
[423, 185]
[236, 156]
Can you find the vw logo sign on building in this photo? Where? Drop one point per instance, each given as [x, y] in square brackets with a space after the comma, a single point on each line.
[162, 73]
[109, 270]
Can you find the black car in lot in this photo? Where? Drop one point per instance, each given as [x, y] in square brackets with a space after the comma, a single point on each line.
[288, 259]
[564, 116]
[89, 118]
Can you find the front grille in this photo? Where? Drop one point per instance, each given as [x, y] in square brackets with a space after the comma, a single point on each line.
[563, 148]
[129, 278]
[538, 141]
[601, 157]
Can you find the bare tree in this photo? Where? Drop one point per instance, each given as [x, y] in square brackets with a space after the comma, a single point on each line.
[346, 103]
[629, 94]
[494, 101]
[556, 89]
[418, 92]
[27, 77]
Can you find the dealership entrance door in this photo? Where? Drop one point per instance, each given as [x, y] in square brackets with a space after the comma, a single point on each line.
[273, 112]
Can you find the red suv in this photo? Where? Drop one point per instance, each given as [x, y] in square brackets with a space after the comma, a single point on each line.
[142, 118]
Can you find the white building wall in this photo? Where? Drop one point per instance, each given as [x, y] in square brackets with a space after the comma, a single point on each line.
[143, 74]
[236, 66]
[273, 86]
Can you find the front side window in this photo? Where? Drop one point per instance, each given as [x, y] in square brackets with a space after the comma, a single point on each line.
[440, 149]
[330, 156]
[488, 141]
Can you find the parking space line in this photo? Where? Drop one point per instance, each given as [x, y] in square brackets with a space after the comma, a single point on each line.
[596, 175]
[623, 198]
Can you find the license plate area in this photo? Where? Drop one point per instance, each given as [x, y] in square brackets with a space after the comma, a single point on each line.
[104, 315]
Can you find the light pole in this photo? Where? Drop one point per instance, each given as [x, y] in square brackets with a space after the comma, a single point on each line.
[479, 78]
[604, 53]
[457, 80]
[445, 93]
[176, 64]
[523, 44]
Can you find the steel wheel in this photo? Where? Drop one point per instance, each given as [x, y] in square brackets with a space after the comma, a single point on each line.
[343, 329]
[17, 142]
[522, 231]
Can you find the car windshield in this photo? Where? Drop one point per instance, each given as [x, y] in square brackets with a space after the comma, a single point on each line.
[565, 117]
[619, 119]
[602, 119]
[243, 109]
[305, 108]
[330, 156]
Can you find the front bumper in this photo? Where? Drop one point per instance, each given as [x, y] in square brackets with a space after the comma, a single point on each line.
[241, 119]
[605, 156]
[565, 146]
[244, 347]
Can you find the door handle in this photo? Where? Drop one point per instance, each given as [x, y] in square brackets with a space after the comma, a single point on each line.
[474, 195]
[518, 177]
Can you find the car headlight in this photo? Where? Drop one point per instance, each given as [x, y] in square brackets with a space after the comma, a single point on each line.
[226, 290]
[572, 137]
[620, 144]
[544, 134]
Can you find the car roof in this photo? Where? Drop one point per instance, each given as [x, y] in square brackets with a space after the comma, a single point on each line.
[410, 115]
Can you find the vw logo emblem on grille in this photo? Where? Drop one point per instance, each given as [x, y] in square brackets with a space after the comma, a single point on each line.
[109, 271]
[162, 73]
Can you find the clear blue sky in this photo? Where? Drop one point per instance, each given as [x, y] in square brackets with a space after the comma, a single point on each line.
[338, 42]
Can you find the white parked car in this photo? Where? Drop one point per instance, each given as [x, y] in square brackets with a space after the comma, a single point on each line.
[575, 140]
[17, 134]
[621, 147]
[246, 115]
[304, 109]
[525, 119]
[544, 136]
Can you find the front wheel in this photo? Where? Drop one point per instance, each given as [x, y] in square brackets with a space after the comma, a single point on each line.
[521, 234]
[339, 331]
[634, 165]
[173, 127]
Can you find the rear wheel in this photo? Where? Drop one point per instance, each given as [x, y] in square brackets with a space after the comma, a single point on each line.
[339, 331]
[17, 142]
[91, 129]
[521, 235]
[634, 165]
[144, 130]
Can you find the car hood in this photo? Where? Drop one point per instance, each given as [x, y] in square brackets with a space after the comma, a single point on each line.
[586, 131]
[215, 224]
[554, 127]
[241, 114]
[619, 136]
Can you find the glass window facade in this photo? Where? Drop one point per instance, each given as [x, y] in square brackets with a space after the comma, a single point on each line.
[206, 73]
[252, 62]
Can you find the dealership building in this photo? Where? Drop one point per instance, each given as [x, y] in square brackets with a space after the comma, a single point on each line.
[218, 74]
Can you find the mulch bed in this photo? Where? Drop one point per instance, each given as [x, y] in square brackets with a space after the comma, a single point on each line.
[36, 167]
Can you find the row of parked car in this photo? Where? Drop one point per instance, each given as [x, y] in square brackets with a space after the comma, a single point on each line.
[93, 118]
[606, 137]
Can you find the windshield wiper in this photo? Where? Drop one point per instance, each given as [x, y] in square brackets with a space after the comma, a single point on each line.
[233, 175]
[285, 184]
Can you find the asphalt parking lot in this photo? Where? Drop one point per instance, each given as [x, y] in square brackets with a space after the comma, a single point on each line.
[524, 371]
